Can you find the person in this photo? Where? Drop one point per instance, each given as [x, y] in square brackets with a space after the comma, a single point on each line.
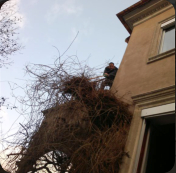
[109, 74]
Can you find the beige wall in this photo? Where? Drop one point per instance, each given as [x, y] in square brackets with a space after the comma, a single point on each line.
[135, 76]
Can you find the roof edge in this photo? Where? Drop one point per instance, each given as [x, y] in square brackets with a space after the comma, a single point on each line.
[128, 10]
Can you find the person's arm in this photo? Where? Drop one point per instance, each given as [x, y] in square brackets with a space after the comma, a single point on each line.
[112, 74]
[105, 74]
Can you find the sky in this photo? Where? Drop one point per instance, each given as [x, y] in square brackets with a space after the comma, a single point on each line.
[47, 24]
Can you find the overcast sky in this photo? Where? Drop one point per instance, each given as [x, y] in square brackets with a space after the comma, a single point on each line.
[48, 23]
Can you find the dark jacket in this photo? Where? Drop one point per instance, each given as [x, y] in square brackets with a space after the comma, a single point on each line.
[111, 72]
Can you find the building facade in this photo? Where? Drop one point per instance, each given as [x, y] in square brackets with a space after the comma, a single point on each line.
[146, 77]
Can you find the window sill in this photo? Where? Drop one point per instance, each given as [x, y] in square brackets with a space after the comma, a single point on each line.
[161, 56]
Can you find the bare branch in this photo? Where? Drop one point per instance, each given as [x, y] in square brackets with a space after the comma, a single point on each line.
[8, 34]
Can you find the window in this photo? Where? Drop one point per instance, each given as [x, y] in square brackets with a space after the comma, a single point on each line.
[160, 148]
[163, 42]
[168, 37]
[157, 146]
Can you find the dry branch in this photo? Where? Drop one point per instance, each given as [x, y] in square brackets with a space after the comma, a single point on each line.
[81, 129]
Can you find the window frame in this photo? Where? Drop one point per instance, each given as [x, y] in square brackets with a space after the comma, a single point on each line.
[156, 44]
[142, 151]
[165, 26]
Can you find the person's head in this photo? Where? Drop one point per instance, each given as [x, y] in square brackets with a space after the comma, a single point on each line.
[111, 65]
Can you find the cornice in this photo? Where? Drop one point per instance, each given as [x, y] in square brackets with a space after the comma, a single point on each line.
[152, 13]
[157, 97]
[121, 14]
[142, 11]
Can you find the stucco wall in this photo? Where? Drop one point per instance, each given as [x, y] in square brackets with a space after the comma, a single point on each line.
[135, 76]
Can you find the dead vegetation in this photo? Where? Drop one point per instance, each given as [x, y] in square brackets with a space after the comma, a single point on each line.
[81, 128]
[9, 42]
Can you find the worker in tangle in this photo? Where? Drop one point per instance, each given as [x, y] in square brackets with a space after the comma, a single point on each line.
[109, 74]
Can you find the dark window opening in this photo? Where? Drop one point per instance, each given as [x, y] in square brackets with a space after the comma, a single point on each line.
[161, 146]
